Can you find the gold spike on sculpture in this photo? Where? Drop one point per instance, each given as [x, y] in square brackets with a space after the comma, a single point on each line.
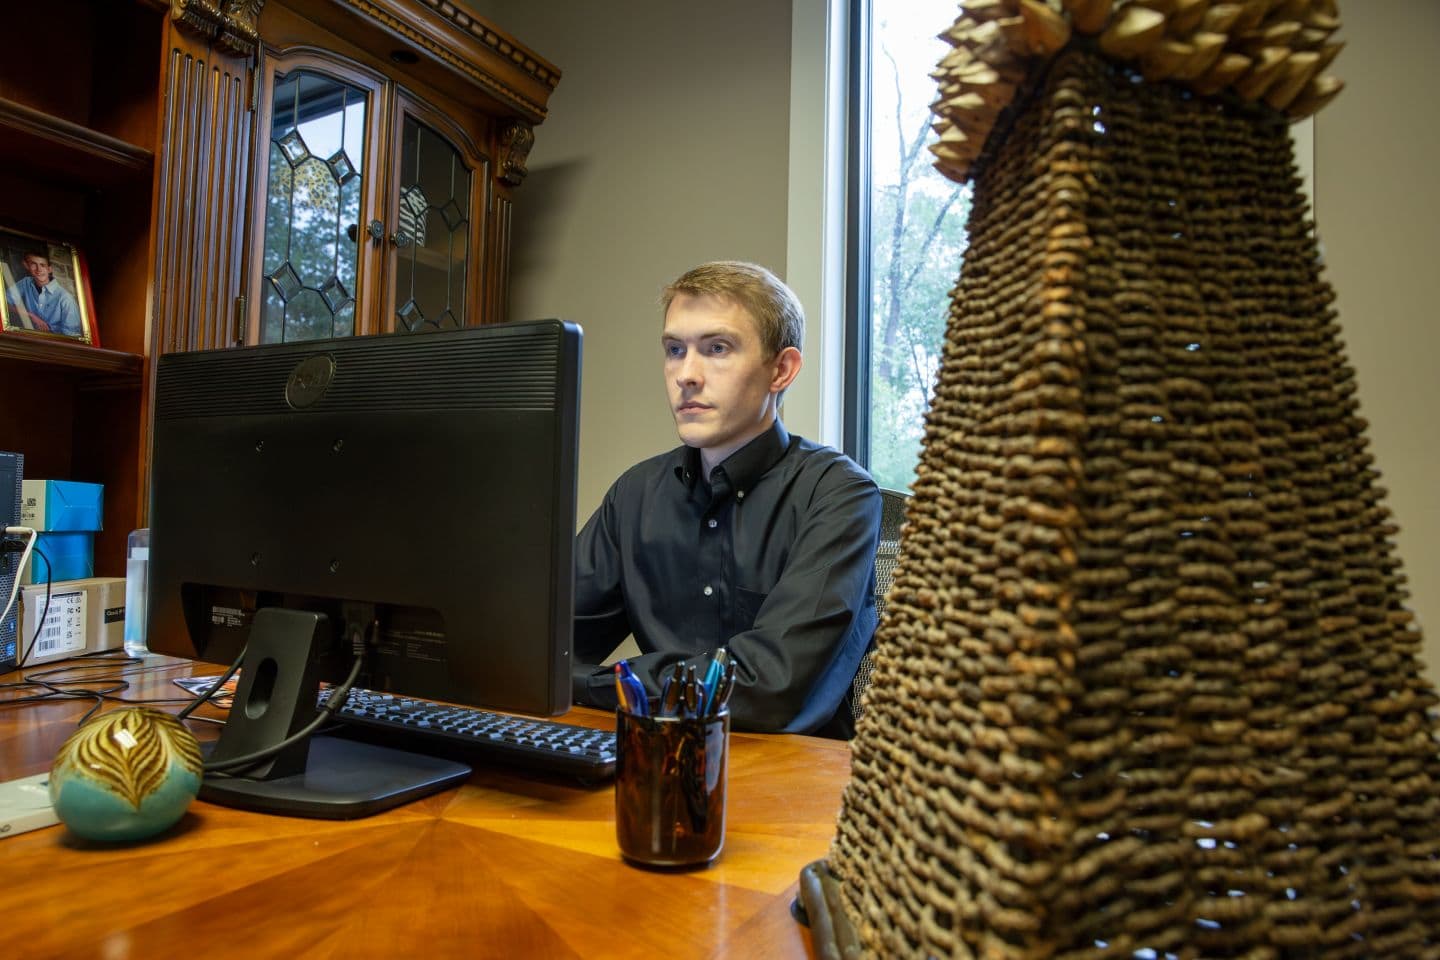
[1268, 51]
[1087, 16]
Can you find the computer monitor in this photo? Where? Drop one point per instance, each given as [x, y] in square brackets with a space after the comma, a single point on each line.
[405, 499]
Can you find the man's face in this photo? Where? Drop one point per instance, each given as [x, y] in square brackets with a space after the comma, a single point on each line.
[720, 382]
[39, 269]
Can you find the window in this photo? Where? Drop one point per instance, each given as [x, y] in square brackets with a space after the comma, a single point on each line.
[907, 233]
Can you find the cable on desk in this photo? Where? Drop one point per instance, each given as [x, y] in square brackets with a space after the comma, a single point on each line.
[56, 685]
[219, 682]
[335, 702]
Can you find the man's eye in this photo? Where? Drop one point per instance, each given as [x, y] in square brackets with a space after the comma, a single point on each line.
[673, 350]
[718, 349]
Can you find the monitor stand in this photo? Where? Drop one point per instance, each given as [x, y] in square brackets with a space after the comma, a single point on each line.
[322, 776]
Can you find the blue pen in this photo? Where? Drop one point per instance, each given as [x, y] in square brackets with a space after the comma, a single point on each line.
[713, 674]
[638, 702]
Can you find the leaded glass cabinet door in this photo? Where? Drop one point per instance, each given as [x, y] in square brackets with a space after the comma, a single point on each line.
[318, 190]
[437, 203]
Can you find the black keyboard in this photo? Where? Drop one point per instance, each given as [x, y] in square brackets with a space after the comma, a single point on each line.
[545, 745]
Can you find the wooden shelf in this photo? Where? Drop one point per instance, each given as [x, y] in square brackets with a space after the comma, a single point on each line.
[117, 366]
[62, 149]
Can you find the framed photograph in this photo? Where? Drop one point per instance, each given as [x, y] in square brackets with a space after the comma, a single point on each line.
[46, 288]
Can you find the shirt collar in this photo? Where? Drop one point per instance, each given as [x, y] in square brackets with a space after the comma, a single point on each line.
[745, 466]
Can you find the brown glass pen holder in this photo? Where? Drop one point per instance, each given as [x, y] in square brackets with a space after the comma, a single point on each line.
[670, 788]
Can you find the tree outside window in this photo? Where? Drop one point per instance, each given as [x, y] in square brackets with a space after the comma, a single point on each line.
[917, 232]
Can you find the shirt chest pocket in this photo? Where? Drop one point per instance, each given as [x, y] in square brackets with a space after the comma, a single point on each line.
[747, 608]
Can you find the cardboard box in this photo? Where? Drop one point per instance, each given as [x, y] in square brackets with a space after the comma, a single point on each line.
[64, 630]
[71, 556]
[61, 505]
[105, 628]
[85, 616]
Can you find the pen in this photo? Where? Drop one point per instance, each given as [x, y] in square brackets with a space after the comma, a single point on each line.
[713, 674]
[621, 695]
[632, 690]
[670, 692]
[727, 684]
[691, 695]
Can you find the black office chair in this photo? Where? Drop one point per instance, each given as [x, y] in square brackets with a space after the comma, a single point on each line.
[892, 517]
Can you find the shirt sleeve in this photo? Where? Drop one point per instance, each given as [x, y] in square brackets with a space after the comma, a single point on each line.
[793, 667]
[600, 622]
[67, 316]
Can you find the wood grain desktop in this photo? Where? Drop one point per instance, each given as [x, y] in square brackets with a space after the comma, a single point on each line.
[511, 864]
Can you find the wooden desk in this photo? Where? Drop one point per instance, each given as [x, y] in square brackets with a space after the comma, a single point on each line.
[509, 865]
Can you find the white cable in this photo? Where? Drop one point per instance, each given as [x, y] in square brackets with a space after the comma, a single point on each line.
[15, 587]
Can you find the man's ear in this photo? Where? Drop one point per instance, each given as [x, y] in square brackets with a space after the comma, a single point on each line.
[787, 367]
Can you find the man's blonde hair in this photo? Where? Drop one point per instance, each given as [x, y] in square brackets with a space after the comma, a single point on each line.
[778, 316]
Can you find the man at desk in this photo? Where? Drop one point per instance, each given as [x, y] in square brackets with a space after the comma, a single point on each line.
[744, 537]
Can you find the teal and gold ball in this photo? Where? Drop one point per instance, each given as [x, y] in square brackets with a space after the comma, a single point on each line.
[126, 775]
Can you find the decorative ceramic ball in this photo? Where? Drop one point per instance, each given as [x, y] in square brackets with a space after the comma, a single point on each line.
[126, 775]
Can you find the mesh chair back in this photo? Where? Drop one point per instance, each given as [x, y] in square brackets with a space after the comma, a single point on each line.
[892, 517]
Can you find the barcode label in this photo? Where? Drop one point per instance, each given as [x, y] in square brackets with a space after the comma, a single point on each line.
[63, 632]
[49, 640]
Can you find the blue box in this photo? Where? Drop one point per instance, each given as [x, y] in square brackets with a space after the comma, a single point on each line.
[62, 505]
[71, 556]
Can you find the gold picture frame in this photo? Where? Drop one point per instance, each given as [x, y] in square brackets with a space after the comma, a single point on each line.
[45, 289]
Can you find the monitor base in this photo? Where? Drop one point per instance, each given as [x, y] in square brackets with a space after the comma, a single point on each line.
[342, 780]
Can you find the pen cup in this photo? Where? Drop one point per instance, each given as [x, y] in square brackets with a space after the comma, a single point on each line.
[670, 788]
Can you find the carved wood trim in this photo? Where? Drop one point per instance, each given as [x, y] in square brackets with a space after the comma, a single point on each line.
[386, 14]
[229, 24]
[501, 44]
[240, 34]
[200, 18]
[200, 210]
[498, 270]
[516, 139]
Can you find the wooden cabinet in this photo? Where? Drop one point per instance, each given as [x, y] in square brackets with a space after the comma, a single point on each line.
[366, 204]
[149, 146]
[79, 135]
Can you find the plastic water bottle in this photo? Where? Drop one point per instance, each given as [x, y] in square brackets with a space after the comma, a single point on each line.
[137, 570]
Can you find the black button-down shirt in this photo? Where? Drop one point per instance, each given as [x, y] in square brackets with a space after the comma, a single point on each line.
[773, 558]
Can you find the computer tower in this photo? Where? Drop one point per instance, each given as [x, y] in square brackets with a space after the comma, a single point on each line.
[12, 469]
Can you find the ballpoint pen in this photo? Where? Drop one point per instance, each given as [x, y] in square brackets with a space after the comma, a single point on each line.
[670, 691]
[727, 684]
[692, 694]
[634, 698]
[622, 696]
[713, 674]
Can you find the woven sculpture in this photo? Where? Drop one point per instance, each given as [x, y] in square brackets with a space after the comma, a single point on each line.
[1145, 686]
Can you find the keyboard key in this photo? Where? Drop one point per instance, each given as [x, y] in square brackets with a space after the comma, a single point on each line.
[544, 745]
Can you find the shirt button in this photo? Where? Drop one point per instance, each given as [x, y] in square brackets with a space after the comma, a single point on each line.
[739, 494]
[709, 590]
[712, 523]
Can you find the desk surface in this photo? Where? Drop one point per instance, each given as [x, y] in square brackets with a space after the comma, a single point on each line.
[508, 865]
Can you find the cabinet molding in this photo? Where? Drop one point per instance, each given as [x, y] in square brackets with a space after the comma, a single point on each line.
[516, 139]
[230, 25]
[490, 58]
[200, 211]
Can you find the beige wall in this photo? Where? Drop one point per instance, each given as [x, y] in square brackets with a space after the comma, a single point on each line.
[1378, 217]
[666, 146]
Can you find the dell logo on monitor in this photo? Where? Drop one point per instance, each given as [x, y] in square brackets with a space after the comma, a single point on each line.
[309, 380]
